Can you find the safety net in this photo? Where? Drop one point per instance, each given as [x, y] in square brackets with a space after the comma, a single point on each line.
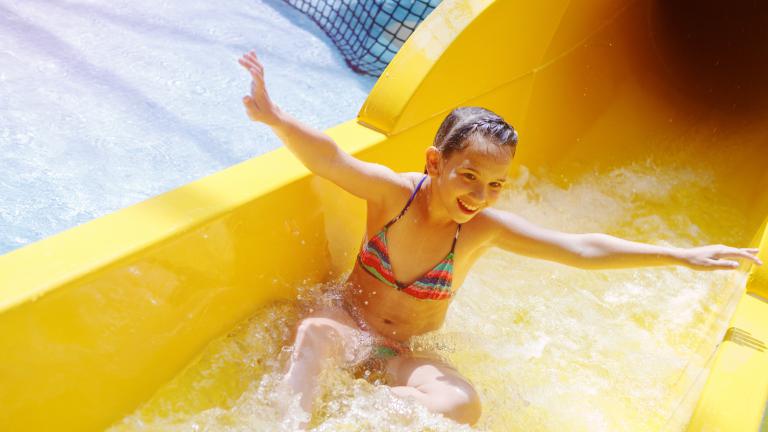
[367, 32]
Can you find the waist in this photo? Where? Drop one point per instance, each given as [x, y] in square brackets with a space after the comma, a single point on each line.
[391, 312]
[362, 317]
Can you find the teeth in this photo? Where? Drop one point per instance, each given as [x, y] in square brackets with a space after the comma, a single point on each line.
[467, 205]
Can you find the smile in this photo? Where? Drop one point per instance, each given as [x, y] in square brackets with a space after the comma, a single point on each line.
[466, 208]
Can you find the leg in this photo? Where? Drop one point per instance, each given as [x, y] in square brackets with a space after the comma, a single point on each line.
[436, 385]
[329, 334]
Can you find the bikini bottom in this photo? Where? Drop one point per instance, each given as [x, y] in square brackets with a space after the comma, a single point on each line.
[374, 350]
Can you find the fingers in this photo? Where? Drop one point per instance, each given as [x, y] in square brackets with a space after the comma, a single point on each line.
[717, 264]
[252, 64]
[711, 257]
[252, 55]
[250, 102]
[727, 264]
[252, 109]
[257, 71]
[752, 254]
[257, 90]
[748, 253]
[253, 106]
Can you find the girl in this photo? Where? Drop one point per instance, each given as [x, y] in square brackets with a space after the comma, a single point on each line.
[443, 216]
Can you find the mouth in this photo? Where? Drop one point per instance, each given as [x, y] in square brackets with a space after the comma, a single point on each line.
[466, 208]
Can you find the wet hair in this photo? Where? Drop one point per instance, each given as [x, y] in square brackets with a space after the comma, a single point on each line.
[464, 123]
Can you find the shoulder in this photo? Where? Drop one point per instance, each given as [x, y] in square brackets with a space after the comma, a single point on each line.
[488, 220]
[498, 219]
[394, 202]
[405, 186]
[493, 224]
[497, 222]
[411, 179]
[480, 231]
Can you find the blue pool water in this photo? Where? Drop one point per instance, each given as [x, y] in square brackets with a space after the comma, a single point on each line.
[104, 104]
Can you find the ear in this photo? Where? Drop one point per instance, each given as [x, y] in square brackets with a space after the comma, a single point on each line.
[434, 161]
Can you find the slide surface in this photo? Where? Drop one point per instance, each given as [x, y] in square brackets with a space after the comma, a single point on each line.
[632, 121]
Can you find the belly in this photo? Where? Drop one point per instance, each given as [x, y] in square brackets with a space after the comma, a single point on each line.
[390, 312]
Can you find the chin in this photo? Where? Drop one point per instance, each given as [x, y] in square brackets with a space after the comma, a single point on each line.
[461, 218]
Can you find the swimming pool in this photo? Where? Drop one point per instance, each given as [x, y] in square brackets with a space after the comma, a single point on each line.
[105, 104]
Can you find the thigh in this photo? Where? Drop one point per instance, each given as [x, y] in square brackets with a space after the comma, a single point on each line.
[346, 331]
[335, 316]
[438, 386]
[425, 371]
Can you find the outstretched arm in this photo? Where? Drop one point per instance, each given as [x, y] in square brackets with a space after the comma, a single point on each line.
[601, 251]
[315, 149]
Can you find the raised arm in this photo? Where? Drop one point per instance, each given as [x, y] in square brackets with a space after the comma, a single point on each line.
[316, 150]
[601, 251]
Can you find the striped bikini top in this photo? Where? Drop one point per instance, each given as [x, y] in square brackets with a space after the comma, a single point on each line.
[374, 258]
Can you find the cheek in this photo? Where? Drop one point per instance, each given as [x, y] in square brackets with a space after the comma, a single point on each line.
[493, 196]
[458, 188]
[452, 188]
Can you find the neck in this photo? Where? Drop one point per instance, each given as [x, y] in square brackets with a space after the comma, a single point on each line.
[436, 215]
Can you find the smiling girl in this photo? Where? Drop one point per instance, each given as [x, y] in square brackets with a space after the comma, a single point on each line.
[424, 231]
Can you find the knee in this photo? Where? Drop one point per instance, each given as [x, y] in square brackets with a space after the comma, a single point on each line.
[315, 330]
[465, 406]
[314, 339]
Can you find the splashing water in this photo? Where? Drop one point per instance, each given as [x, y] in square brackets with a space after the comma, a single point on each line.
[548, 347]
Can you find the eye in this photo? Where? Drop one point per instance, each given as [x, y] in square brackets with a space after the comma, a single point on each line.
[496, 185]
[469, 176]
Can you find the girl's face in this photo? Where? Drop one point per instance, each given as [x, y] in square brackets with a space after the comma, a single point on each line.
[470, 179]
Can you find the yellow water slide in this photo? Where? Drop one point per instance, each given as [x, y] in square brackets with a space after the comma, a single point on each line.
[95, 319]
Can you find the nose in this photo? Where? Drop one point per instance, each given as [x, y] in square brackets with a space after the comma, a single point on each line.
[479, 194]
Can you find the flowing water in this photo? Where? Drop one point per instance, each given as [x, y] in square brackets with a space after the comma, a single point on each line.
[548, 347]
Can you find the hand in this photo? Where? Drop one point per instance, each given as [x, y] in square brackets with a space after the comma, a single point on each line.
[258, 105]
[709, 257]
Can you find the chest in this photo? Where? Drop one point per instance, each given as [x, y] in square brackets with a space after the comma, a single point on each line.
[413, 248]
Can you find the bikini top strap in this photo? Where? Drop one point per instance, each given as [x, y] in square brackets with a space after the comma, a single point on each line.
[455, 237]
[402, 212]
